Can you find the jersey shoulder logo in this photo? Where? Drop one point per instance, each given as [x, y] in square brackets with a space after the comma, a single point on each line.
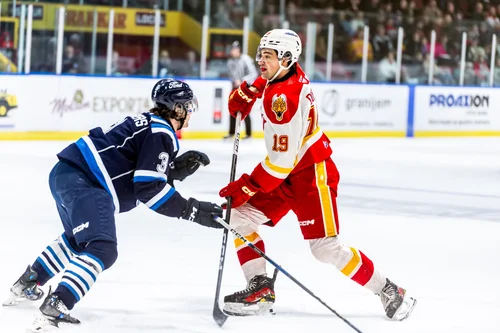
[279, 106]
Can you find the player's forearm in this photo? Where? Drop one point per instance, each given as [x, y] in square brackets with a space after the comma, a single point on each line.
[266, 180]
[161, 197]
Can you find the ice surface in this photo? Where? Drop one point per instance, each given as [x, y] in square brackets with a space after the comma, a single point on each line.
[426, 211]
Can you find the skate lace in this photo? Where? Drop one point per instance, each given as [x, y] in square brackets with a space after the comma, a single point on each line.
[389, 291]
[59, 305]
[251, 285]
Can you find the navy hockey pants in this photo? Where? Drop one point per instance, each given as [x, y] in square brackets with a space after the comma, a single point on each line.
[85, 208]
[88, 245]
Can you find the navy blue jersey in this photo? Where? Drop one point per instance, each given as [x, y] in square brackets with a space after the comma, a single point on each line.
[131, 161]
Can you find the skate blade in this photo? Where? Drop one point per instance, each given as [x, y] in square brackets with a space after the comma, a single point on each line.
[405, 309]
[13, 299]
[42, 324]
[242, 310]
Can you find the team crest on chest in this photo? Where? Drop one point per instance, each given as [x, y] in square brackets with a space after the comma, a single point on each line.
[279, 106]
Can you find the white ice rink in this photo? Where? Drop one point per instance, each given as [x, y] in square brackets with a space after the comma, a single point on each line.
[426, 211]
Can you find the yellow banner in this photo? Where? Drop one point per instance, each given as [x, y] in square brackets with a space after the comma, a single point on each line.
[127, 21]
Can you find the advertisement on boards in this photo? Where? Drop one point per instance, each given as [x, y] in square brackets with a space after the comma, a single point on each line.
[75, 103]
[71, 103]
[362, 108]
[10, 89]
[456, 109]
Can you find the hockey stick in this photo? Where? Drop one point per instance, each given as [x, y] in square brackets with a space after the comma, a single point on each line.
[272, 262]
[219, 316]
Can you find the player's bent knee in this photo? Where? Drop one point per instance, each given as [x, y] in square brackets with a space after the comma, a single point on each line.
[105, 251]
[246, 219]
[329, 250]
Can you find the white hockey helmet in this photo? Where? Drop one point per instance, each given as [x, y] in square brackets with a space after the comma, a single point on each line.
[285, 41]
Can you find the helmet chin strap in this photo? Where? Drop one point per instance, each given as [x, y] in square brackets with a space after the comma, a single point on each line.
[280, 70]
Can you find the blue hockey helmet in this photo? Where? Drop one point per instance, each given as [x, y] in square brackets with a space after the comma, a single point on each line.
[171, 93]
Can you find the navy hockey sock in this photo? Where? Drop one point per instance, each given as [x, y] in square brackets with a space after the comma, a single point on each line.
[54, 259]
[83, 270]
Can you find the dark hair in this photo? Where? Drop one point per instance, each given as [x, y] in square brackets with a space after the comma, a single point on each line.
[166, 113]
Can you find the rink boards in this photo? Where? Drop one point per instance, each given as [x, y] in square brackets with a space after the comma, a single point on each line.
[37, 107]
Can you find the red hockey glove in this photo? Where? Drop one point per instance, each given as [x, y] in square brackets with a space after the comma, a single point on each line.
[260, 84]
[240, 190]
[242, 100]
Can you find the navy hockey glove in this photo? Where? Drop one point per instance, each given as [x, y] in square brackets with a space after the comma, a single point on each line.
[202, 212]
[187, 164]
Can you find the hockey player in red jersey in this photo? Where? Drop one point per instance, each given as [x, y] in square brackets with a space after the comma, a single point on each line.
[298, 174]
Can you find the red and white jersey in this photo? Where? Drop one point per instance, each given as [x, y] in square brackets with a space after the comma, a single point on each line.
[293, 138]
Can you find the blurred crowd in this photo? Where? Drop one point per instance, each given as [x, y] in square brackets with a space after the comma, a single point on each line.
[418, 18]
[480, 20]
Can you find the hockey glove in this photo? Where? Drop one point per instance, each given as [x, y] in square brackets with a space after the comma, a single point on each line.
[187, 164]
[240, 190]
[260, 84]
[242, 100]
[202, 212]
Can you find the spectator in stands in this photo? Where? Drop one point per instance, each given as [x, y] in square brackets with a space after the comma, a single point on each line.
[382, 44]
[475, 51]
[479, 14]
[482, 70]
[496, 75]
[356, 47]
[72, 64]
[164, 64]
[439, 47]
[492, 18]
[414, 47]
[432, 10]
[450, 9]
[115, 64]
[345, 23]
[484, 35]
[190, 67]
[387, 68]
[358, 21]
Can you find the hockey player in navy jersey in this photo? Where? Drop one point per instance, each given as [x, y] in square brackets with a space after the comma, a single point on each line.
[106, 173]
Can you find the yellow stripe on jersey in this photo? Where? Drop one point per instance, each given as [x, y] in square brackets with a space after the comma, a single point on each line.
[310, 136]
[352, 264]
[325, 200]
[276, 168]
[251, 238]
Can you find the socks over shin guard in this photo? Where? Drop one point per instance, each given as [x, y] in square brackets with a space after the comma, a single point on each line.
[79, 277]
[251, 263]
[350, 261]
[83, 270]
[54, 259]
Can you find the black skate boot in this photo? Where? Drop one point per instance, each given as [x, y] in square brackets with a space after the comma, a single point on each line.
[53, 312]
[397, 304]
[256, 299]
[26, 287]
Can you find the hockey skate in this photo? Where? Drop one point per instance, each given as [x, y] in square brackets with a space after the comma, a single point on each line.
[53, 312]
[25, 288]
[256, 299]
[397, 304]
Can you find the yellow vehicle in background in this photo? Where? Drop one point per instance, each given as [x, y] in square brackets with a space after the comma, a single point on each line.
[7, 103]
